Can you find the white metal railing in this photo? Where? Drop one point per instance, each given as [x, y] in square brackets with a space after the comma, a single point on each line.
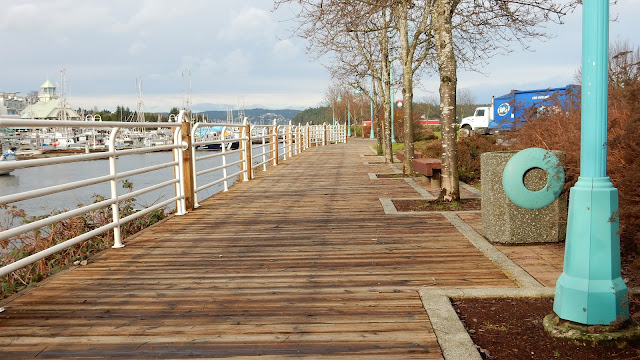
[113, 201]
[243, 148]
[230, 140]
[262, 137]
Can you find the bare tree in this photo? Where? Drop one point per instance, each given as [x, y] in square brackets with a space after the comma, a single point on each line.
[470, 32]
[624, 64]
[447, 68]
[465, 103]
[355, 35]
[414, 50]
[32, 96]
[466, 32]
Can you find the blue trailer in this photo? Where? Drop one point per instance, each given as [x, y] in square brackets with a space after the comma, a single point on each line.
[509, 111]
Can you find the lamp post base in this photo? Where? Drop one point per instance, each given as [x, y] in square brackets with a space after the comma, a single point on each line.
[591, 335]
[590, 290]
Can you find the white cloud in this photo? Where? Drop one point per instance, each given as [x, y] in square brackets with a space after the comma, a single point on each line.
[236, 63]
[47, 17]
[250, 23]
[151, 13]
[200, 65]
[285, 49]
[137, 48]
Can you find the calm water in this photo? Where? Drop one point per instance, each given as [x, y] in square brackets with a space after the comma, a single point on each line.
[39, 177]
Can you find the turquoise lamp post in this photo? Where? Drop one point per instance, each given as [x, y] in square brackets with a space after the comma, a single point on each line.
[371, 133]
[590, 290]
[393, 135]
[334, 108]
[348, 117]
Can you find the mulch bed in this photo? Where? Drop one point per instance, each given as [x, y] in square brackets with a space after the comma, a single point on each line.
[437, 205]
[508, 329]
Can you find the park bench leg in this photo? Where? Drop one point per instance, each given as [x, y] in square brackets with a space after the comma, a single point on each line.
[435, 178]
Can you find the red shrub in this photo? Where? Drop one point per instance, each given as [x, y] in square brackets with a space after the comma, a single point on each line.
[561, 131]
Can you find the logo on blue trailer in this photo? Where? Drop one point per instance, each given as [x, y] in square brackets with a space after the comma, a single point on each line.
[503, 109]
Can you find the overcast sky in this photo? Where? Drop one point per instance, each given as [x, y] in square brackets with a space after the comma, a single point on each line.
[238, 53]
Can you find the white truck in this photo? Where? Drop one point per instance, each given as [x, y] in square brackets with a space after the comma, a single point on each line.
[478, 122]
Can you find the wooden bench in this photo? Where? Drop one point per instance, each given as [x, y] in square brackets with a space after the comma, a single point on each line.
[400, 155]
[431, 168]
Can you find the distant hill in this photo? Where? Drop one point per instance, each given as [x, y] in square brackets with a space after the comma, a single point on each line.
[256, 116]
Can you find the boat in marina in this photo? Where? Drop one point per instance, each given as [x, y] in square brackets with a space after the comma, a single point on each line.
[6, 157]
[28, 151]
[218, 146]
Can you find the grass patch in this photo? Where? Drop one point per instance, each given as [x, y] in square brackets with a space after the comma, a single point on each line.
[437, 205]
[394, 147]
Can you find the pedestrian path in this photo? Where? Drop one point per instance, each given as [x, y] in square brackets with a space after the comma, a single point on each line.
[303, 261]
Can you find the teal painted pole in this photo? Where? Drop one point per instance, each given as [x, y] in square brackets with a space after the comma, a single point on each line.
[393, 135]
[334, 112]
[371, 133]
[590, 290]
[349, 117]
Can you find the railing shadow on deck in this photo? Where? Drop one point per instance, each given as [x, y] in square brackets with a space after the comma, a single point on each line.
[243, 148]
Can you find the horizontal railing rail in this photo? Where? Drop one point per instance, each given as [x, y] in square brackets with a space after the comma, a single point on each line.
[243, 148]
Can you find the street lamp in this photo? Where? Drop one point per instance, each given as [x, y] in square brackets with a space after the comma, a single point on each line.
[349, 117]
[591, 290]
[393, 135]
[334, 107]
[371, 134]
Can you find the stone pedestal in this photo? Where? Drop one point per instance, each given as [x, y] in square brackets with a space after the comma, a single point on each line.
[506, 223]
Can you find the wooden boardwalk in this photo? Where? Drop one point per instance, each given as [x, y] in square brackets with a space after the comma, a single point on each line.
[301, 262]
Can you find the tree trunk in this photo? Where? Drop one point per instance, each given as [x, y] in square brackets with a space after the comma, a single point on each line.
[406, 57]
[380, 135]
[448, 82]
[386, 93]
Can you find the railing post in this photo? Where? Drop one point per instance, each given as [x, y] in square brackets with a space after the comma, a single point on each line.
[298, 139]
[325, 134]
[178, 171]
[295, 140]
[307, 137]
[285, 150]
[274, 143]
[264, 133]
[290, 139]
[115, 209]
[187, 168]
[246, 135]
[223, 151]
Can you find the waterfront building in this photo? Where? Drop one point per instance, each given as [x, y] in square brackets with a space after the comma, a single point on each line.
[11, 103]
[49, 106]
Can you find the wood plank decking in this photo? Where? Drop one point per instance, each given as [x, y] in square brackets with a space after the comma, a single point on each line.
[300, 262]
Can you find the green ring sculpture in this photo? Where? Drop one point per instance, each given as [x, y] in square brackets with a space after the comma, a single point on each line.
[517, 167]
